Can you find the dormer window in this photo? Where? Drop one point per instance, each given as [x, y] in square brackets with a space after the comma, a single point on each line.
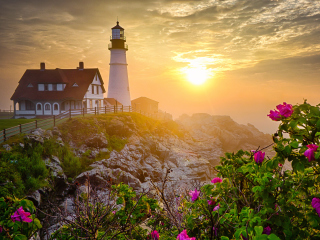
[30, 85]
[75, 85]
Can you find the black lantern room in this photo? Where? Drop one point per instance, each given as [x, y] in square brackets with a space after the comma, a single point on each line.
[118, 39]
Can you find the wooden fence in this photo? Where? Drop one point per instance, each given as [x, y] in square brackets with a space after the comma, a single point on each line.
[52, 121]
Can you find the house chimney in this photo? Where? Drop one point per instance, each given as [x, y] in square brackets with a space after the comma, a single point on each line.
[81, 66]
[42, 66]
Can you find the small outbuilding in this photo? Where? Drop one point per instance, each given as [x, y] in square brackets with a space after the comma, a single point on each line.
[145, 105]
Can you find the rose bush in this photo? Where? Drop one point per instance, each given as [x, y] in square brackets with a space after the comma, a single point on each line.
[253, 196]
[17, 219]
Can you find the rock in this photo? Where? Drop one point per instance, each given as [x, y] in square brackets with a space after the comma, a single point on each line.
[35, 197]
[54, 165]
[56, 132]
[97, 141]
[67, 205]
[7, 147]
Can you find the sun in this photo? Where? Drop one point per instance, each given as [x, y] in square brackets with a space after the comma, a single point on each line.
[197, 75]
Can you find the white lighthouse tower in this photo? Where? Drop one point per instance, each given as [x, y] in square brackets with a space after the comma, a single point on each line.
[118, 75]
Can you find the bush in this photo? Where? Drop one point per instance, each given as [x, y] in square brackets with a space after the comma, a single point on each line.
[252, 197]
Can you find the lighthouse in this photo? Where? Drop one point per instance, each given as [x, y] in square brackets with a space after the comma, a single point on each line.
[118, 76]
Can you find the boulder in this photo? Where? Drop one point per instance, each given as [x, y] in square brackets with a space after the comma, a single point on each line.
[97, 141]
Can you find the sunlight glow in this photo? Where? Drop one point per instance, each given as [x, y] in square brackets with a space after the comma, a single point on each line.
[197, 75]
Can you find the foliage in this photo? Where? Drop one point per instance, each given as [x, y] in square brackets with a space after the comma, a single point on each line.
[19, 228]
[22, 170]
[256, 199]
[114, 214]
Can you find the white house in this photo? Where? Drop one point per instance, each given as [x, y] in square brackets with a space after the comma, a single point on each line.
[45, 92]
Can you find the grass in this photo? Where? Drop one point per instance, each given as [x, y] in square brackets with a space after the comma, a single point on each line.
[8, 123]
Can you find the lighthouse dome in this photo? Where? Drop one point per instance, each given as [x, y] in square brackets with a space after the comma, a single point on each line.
[118, 26]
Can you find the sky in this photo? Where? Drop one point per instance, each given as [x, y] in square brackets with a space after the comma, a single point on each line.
[251, 54]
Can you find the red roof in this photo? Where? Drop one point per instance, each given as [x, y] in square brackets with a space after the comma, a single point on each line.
[83, 78]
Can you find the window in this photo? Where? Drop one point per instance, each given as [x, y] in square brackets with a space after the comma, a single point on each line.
[29, 105]
[75, 85]
[46, 88]
[40, 87]
[39, 107]
[30, 85]
[97, 89]
[92, 89]
[47, 106]
[54, 87]
[55, 107]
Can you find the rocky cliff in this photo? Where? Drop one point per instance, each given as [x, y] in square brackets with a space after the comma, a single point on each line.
[134, 149]
[190, 147]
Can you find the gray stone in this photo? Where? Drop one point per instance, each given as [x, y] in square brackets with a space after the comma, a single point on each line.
[7, 147]
[97, 141]
[35, 197]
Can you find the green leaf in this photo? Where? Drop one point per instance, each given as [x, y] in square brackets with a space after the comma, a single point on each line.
[258, 230]
[294, 144]
[261, 237]
[273, 237]
[20, 237]
[37, 223]
[297, 165]
[287, 150]
[224, 238]
[256, 188]
[318, 133]
[317, 155]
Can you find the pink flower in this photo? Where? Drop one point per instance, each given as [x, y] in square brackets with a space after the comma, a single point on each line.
[0, 229]
[285, 109]
[184, 236]
[211, 202]
[274, 115]
[267, 230]
[113, 212]
[316, 205]
[155, 235]
[216, 207]
[259, 156]
[280, 165]
[194, 194]
[216, 180]
[21, 215]
[309, 153]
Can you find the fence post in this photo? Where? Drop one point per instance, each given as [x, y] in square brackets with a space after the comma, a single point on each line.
[83, 112]
[20, 128]
[4, 135]
[114, 108]
[129, 108]
[54, 120]
[36, 123]
[105, 109]
[69, 113]
[95, 110]
[122, 108]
